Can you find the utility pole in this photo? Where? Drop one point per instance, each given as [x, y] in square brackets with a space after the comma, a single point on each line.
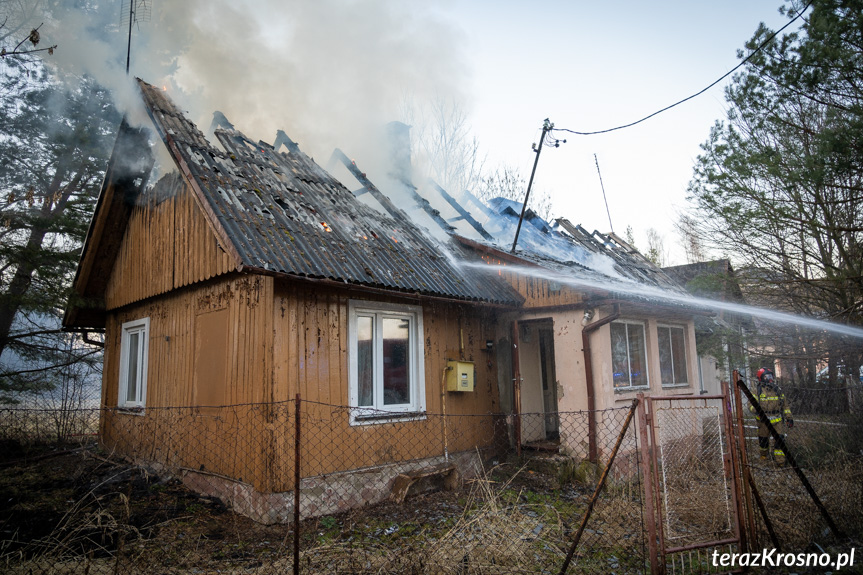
[129, 44]
[546, 128]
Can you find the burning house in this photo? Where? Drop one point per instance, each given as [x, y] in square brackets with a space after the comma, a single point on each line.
[588, 335]
[245, 274]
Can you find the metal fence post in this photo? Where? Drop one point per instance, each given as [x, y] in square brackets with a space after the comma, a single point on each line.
[297, 487]
[657, 490]
[744, 462]
[733, 460]
[646, 458]
[599, 487]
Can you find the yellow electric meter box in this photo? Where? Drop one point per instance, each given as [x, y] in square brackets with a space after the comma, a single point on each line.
[459, 376]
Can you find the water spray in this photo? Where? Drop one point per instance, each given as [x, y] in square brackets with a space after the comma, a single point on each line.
[665, 296]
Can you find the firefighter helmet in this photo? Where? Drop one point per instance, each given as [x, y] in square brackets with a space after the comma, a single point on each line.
[764, 375]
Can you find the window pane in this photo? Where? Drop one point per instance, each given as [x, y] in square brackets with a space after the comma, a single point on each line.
[619, 356]
[365, 361]
[637, 357]
[678, 348]
[132, 374]
[665, 366]
[396, 360]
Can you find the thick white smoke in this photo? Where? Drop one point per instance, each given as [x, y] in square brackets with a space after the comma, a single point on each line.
[329, 72]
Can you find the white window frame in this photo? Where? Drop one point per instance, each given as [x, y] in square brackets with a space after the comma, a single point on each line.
[378, 412]
[141, 327]
[670, 326]
[630, 387]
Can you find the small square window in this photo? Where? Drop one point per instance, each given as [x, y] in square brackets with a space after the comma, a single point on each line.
[628, 355]
[134, 344]
[672, 354]
[385, 361]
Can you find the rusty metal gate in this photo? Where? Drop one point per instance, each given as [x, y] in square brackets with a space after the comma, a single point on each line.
[692, 499]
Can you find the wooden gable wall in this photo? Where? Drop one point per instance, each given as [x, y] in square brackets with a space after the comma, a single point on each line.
[540, 292]
[210, 346]
[168, 244]
[528, 279]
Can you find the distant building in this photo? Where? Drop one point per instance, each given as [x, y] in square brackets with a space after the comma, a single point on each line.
[722, 340]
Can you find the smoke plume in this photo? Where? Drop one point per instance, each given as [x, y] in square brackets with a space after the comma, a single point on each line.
[329, 72]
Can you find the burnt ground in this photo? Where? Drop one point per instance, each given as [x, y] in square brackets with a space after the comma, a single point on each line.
[75, 510]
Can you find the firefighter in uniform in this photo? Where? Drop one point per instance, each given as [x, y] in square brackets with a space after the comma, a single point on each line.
[776, 409]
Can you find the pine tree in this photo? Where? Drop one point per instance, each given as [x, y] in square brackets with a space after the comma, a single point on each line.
[779, 185]
[54, 141]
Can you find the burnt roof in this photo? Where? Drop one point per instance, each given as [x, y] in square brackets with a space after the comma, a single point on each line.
[573, 251]
[285, 214]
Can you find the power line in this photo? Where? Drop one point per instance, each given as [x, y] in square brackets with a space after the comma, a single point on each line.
[744, 61]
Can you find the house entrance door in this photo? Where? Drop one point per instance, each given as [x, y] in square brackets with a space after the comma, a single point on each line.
[537, 393]
[549, 382]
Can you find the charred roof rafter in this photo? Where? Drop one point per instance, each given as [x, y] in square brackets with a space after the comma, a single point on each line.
[281, 213]
[463, 213]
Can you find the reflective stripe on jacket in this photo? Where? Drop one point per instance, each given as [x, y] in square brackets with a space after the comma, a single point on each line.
[774, 406]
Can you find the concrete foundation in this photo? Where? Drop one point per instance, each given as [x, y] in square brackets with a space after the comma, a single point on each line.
[324, 494]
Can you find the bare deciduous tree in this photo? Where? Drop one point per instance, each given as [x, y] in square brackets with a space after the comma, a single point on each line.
[444, 147]
[656, 251]
[508, 182]
[693, 243]
[16, 42]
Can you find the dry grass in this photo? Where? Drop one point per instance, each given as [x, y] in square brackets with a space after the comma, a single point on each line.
[94, 516]
[830, 455]
[795, 517]
[23, 428]
[493, 536]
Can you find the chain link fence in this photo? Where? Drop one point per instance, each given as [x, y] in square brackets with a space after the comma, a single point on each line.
[695, 491]
[826, 443]
[212, 489]
[66, 413]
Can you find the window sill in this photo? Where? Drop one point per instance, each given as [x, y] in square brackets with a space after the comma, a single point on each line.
[674, 385]
[384, 417]
[631, 389]
[130, 410]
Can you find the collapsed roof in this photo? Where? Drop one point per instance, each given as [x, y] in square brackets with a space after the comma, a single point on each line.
[594, 261]
[276, 211]
[283, 213]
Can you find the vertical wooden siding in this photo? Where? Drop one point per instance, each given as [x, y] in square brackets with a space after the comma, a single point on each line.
[282, 340]
[310, 357]
[537, 290]
[168, 244]
[232, 441]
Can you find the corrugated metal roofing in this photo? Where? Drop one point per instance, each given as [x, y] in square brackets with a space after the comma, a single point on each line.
[285, 214]
[571, 249]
